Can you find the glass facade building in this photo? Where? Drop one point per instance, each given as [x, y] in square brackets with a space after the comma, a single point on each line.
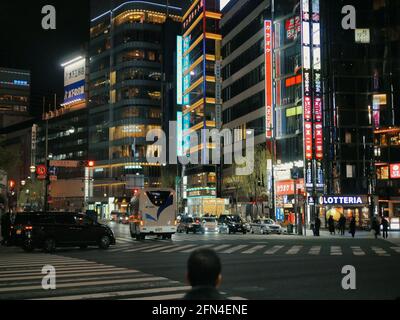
[201, 51]
[127, 54]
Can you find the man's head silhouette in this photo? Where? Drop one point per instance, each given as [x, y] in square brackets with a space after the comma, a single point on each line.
[204, 269]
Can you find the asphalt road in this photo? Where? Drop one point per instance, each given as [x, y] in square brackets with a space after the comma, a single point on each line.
[254, 267]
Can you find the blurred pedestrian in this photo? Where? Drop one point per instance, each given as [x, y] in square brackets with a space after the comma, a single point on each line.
[353, 227]
[5, 227]
[317, 226]
[331, 224]
[385, 227]
[342, 224]
[204, 275]
[375, 227]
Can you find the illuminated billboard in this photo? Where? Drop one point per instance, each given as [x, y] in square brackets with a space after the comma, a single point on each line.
[268, 77]
[74, 81]
[179, 134]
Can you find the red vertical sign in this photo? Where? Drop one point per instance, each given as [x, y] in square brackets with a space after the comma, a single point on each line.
[269, 116]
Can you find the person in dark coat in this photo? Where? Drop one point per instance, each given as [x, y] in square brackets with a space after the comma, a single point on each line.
[353, 227]
[331, 225]
[385, 227]
[204, 275]
[317, 226]
[375, 226]
[342, 224]
[5, 227]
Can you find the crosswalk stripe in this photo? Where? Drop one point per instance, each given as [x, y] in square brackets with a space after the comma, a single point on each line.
[199, 247]
[120, 248]
[179, 248]
[234, 249]
[294, 250]
[85, 284]
[314, 251]
[357, 251]
[142, 247]
[380, 252]
[58, 271]
[254, 249]
[397, 249]
[220, 247]
[36, 264]
[154, 248]
[36, 260]
[117, 294]
[66, 275]
[273, 250]
[336, 251]
[163, 297]
[126, 240]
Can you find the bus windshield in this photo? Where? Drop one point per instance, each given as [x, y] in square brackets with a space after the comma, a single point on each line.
[158, 198]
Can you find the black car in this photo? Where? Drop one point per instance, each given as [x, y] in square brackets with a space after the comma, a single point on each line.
[189, 224]
[231, 224]
[51, 230]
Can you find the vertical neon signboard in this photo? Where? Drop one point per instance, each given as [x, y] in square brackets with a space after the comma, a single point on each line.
[186, 65]
[179, 70]
[268, 47]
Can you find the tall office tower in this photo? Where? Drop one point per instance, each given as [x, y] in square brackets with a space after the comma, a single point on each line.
[201, 102]
[127, 55]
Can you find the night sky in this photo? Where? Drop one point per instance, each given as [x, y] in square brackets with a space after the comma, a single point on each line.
[25, 45]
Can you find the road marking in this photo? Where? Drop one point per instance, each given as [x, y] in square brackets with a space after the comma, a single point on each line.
[380, 252]
[63, 275]
[178, 248]
[120, 248]
[223, 246]
[273, 250]
[314, 251]
[46, 263]
[58, 270]
[294, 250]
[140, 248]
[85, 284]
[397, 249]
[159, 248]
[237, 298]
[199, 247]
[126, 240]
[117, 294]
[357, 251]
[336, 251]
[234, 249]
[164, 297]
[254, 249]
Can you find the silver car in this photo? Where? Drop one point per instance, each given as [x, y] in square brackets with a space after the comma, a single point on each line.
[266, 226]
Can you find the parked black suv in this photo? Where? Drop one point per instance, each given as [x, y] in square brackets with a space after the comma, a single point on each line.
[231, 224]
[51, 230]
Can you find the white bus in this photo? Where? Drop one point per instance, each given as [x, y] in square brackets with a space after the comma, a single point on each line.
[153, 212]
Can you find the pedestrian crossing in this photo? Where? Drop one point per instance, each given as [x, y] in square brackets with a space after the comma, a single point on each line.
[257, 248]
[77, 279]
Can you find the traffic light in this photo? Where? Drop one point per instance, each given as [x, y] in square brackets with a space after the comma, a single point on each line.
[87, 163]
[11, 185]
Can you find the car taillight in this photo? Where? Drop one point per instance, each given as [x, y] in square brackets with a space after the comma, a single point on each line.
[28, 228]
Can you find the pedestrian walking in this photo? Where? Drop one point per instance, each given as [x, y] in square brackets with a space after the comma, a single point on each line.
[317, 226]
[204, 275]
[353, 227]
[5, 227]
[342, 224]
[385, 227]
[331, 224]
[375, 227]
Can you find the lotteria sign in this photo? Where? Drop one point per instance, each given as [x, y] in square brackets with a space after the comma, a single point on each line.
[268, 77]
[343, 200]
